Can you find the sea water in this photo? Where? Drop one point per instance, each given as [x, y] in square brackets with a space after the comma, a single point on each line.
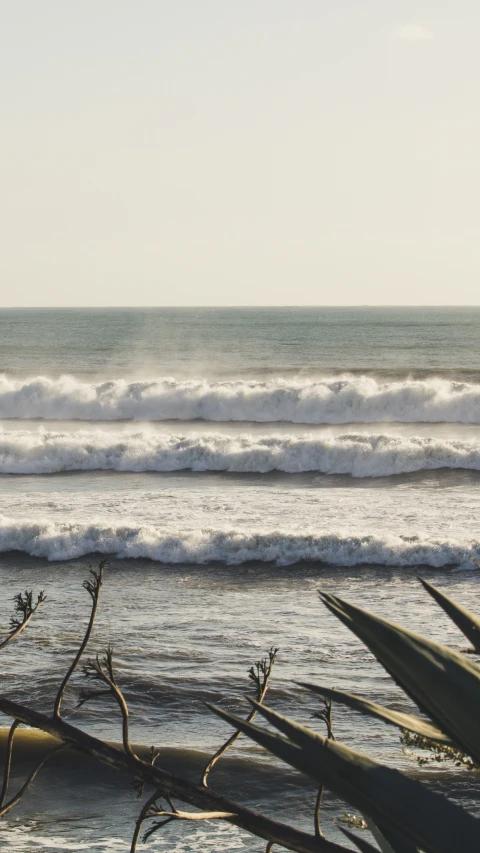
[228, 463]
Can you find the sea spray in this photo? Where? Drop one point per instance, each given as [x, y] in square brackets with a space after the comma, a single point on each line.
[349, 399]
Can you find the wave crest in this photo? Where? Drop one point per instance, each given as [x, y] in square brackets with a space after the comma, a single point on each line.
[63, 541]
[360, 455]
[349, 399]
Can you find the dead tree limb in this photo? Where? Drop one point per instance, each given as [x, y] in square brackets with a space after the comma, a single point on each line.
[260, 675]
[167, 783]
[8, 762]
[25, 607]
[93, 586]
[102, 668]
[325, 714]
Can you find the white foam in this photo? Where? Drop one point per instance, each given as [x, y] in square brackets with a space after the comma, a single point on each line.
[360, 455]
[331, 401]
[63, 541]
[32, 837]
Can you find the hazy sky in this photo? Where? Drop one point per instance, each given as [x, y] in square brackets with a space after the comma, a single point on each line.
[217, 152]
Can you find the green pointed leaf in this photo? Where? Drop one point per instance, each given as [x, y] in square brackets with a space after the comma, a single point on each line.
[444, 684]
[395, 718]
[392, 800]
[468, 623]
[389, 842]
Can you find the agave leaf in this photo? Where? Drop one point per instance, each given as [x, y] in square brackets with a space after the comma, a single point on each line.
[363, 845]
[444, 684]
[395, 718]
[468, 623]
[398, 804]
[395, 845]
[388, 841]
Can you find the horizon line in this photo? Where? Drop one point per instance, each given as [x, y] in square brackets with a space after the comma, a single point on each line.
[226, 307]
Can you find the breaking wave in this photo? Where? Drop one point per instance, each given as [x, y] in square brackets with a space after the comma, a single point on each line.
[63, 541]
[335, 400]
[360, 455]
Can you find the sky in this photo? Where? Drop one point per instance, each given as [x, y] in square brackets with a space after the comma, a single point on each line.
[263, 152]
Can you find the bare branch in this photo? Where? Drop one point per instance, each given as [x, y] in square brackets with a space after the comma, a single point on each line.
[325, 714]
[93, 586]
[103, 669]
[8, 762]
[177, 815]
[142, 816]
[316, 814]
[25, 607]
[151, 810]
[260, 675]
[156, 826]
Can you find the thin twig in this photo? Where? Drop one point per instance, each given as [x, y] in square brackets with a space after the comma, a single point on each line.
[156, 826]
[326, 715]
[18, 796]
[177, 815]
[260, 675]
[24, 606]
[103, 669]
[141, 817]
[316, 814]
[93, 587]
[8, 762]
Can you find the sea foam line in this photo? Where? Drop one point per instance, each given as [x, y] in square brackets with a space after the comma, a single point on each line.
[64, 541]
[349, 399]
[360, 455]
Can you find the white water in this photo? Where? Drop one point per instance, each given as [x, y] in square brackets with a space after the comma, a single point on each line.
[357, 454]
[63, 541]
[347, 399]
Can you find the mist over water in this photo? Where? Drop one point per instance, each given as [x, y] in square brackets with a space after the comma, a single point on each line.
[341, 400]
[356, 454]
[230, 462]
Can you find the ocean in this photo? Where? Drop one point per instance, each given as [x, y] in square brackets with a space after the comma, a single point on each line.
[228, 463]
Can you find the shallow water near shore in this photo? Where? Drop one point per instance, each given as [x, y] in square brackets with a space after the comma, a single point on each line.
[186, 635]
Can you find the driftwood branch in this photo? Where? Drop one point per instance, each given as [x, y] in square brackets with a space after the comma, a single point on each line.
[169, 784]
[93, 586]
[260, 675]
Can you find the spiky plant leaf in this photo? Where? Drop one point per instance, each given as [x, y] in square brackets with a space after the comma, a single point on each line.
[468, 623]
[398, 804]
[395, 718]
[444, 684]
[389, 842]
[361, 843]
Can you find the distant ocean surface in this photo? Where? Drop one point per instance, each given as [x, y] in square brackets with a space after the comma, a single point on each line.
[229, 462]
